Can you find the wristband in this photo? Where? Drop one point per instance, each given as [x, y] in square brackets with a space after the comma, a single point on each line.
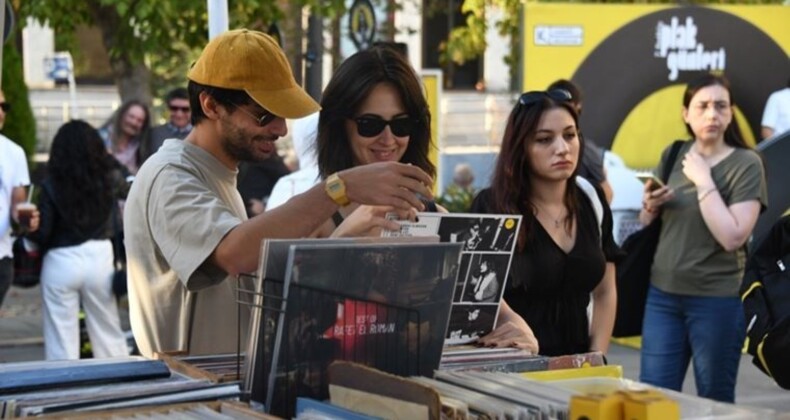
[705, 194]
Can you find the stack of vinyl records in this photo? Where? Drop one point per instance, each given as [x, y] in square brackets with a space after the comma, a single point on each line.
[468, 357]
[37, 388]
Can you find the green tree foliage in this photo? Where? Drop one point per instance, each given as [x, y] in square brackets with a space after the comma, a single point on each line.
[153, 43]
[20, 126]
[146, 40]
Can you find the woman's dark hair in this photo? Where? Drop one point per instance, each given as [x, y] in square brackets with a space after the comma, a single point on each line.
[80, 170]
[350, 86]
[510, 185]
[732, 134]
[228, 98]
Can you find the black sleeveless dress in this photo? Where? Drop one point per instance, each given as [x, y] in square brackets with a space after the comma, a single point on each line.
[550, 288]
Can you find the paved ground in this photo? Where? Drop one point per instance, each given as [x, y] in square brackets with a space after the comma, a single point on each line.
[20, 340]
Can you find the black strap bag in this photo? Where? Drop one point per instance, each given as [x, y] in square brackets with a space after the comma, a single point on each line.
[765, 292]
[633, 270]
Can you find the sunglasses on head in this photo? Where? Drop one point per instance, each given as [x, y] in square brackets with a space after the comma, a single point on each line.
[5, 106]
[183, 109]
[530, 98]
[263, 120]
[372, 126]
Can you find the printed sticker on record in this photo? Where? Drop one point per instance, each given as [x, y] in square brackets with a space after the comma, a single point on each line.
[478, 232]
[489, 241]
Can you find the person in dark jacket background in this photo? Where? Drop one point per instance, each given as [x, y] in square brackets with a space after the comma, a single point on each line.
[76, 205]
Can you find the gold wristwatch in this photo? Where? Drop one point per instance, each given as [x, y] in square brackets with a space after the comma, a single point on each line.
[336, 190]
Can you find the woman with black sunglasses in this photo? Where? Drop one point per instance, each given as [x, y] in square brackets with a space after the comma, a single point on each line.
[373, 110]
[564, 254]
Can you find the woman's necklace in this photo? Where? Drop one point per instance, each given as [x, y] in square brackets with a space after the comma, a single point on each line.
[556, 220]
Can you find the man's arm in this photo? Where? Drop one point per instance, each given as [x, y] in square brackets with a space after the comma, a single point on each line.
[388, 184]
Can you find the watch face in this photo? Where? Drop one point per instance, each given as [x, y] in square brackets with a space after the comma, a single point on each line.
[334, 187]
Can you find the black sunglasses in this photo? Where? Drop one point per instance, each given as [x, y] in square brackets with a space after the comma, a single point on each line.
[183, 109]
[372, 126]
[5, 106]
[530, 98]
[263, 120]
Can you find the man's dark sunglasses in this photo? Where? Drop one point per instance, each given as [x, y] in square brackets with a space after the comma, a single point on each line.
[183, 109]
[530, 98]
[372, 126]
[5, 106]
[263, 120]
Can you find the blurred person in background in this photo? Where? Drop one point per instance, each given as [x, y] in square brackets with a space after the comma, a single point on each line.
[708, 210]
[76, 203]
[127, 134]
[256, 180]
[776, 117]
[303, 134]
[458, 196]
[14, 177]
[178, 125]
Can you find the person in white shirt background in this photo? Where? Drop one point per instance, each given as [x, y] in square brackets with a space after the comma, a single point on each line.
[776, 117]
[303, 135]
[14, 177]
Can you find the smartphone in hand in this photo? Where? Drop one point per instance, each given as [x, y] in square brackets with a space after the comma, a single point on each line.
[656, 184]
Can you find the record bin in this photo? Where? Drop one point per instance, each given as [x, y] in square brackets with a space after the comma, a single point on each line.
[298, 330]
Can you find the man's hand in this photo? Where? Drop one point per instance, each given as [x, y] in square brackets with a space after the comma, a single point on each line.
[388, 184]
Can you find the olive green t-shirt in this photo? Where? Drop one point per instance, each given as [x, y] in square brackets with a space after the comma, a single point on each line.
[688, 259]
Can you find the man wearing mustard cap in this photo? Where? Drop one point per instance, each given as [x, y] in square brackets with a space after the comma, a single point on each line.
[186, 226]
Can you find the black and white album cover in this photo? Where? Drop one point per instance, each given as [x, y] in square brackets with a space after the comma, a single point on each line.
[488, 241]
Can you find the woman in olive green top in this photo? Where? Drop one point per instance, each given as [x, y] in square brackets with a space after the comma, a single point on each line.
[708, 210]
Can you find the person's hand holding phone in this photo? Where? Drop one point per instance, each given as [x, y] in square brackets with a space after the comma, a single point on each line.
[655, 195]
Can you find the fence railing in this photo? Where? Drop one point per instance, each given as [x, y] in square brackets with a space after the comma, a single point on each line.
[49, 118]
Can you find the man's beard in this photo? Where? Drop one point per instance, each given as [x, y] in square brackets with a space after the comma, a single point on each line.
[239, 145]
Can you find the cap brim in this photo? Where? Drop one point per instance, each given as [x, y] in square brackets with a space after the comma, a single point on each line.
[288, 103]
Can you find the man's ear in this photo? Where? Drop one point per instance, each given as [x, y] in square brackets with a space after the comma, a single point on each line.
[209, 105]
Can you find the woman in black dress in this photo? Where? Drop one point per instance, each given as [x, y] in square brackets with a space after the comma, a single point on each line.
[563, 255]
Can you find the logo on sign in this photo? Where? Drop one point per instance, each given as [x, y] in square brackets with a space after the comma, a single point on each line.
[677, 43]
[362, 24]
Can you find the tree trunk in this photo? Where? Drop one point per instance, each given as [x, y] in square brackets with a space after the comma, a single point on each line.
[132, 76]
[133, 81]
[336, 58]
[293, 33]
